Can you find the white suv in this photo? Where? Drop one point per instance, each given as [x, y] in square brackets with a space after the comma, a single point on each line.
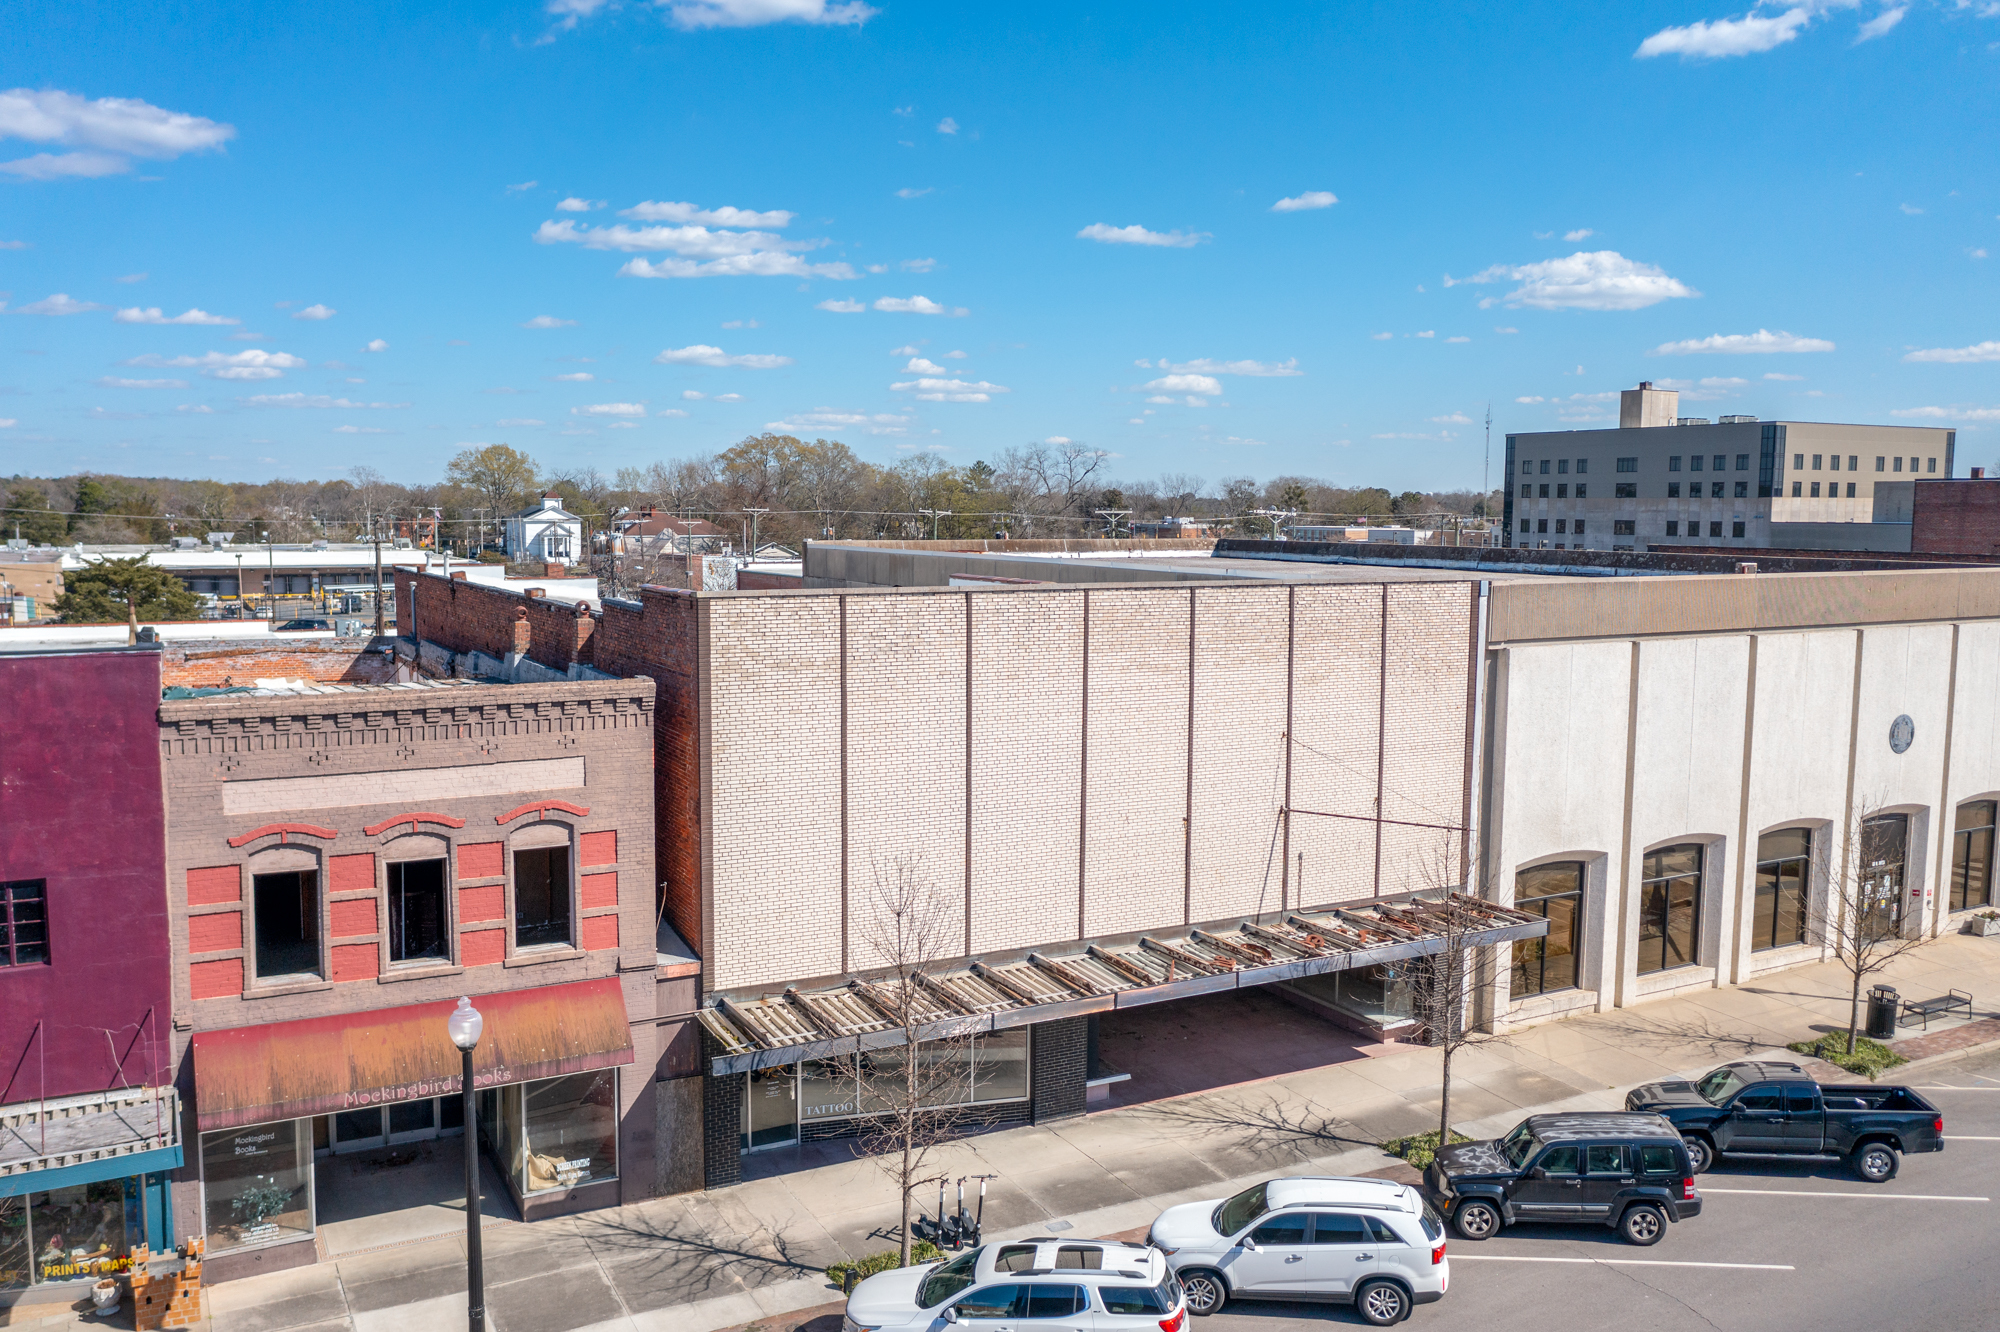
[1036, 1285]
[1370, 1242]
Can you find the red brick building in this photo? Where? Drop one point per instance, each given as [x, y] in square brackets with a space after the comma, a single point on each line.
[1956, 517]
[343, 862]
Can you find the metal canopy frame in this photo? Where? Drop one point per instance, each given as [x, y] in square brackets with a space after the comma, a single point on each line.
[774, 1030]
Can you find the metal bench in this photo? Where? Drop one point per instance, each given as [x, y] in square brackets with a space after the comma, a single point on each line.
[1928, 1008]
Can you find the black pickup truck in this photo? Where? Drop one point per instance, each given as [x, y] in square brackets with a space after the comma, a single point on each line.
[1767, 1109]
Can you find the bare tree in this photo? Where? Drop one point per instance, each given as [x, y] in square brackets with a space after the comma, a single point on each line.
[912, 1094]
[1860, 916]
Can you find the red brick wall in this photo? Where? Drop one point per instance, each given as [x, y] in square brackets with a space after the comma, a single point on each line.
[220, 663]
[482, 860]
[478, 948]
[218, 883]
[597, 848]
[351, 918]
[600, 932]
[351, 874]
[212, 980]
[1956, 518]
[215, 933]
[488, 903]
[749, 581]
[356, 961]
[600, 890]
[471, 617]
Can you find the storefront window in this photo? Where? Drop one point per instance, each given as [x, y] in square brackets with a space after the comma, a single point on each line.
[827, 1090]
[257, 1183]
[1670, 908]
[985, 1069]
[1000, 1066]
[1784, 859]
[81, 1233]
[1972, 856]
[1380, 992]
[1556, 893]
[572, 1127]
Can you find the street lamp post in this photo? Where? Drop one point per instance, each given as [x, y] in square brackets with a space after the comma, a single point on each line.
[465, 1024]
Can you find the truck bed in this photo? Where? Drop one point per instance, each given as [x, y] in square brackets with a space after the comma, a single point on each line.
[1870, 1097]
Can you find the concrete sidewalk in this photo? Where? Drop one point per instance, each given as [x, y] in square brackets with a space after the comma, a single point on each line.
[755, 1251]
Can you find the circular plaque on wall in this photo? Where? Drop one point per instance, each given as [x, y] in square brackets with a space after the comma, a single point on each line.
[1901, 732]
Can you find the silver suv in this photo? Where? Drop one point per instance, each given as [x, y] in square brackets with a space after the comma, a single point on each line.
[1047, 1285]
[1370, 1242]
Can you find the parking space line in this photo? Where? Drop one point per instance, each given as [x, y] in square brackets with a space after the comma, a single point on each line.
[1967, 1137]
[1849, 1193]
[1616, 1262]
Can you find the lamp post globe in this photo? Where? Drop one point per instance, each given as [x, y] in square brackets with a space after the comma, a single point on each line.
[465, 1025]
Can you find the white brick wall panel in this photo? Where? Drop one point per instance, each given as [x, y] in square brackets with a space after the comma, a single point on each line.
[1239, 750]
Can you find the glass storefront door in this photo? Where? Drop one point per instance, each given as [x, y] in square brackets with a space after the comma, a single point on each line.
[1884, 849]
[771, 1112]
[404, 1121]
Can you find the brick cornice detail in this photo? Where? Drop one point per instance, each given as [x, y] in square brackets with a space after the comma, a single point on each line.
[413, 819]
[543, 807]
[284, 832]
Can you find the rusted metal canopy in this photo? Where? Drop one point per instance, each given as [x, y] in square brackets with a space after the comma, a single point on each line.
[994, 994]
[315, 1066]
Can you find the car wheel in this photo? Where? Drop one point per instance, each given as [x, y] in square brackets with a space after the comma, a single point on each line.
[1700, 1155]
[1874, 1162]
[1476, 1219]
[1643, 1224]
[1381, 1303]
[1205, 1292]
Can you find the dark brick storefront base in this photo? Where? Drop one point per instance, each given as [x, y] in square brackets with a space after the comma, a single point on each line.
[1059, 1063]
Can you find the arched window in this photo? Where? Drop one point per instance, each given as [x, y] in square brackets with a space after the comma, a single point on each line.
[1784, 860]
[1556, 893]
[1670, 908]
[1972, 856]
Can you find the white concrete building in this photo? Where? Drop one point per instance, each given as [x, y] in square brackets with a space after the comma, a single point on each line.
[544, 531]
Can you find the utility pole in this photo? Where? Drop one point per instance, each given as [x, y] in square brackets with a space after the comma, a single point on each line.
[934, 515]
[1111, 517]
[755, 514]
[378, 579]
[1486, 472]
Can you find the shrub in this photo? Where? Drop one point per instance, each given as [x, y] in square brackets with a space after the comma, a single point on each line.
[1419, 1149]
[923, 1251]
[1870, 1058]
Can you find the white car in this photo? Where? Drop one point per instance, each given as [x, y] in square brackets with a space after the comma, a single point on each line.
[1036, 1285]
[1370, 1242]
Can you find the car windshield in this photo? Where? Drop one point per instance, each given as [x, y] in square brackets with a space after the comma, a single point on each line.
[1239, 1211]
[947, 1280]
[1519, 1145]
[1720, 1085]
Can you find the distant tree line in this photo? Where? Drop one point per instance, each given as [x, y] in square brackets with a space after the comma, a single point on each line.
[816, 489]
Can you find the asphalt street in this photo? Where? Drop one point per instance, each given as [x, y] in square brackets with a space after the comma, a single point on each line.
[1778, 1246]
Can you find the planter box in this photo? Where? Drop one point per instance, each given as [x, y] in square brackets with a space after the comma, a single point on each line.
[1980, 926]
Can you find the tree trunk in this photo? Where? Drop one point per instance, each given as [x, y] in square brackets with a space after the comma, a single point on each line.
[1444, 1107]
[1854, 1012]
[908, 1185]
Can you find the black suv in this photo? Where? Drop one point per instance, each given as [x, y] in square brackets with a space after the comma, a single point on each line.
[1609, 1168]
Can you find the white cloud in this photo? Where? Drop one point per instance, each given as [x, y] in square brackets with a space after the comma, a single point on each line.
[908, 192]
[8, 422]
[549, 321]
[523, 187]
[950, 390]
[1427, 333]
[360, 430]
[1460, 338]
[610, 409]
[692, 395]
[1951, 413]
[111, 381]
[1911, 209]
[919, 366]
[246, 337]
[704, 252]
[576, 205]
[1501, 328]
[947, 126]
[908, 349]
[376, 345]
[702, 354]
[1772, 374]
[1186, 383]
[841, 307]
[135, 315]
[955, 355]
[823, 418]
[1978, 351]
[1531, 399]
[117, 128]
[878, 268]
[1718, 381]
[1744, 344]
[1581, 233]
[1726, 37]
[650, 211]
[1287, 369]
[1138, 235]
[923, 305]
[728, 397]
[520, 421]
[252, 363]
[1162, 399]
[574, 377]
[1880, 25]
[918, 265]
[22, 245]
[741, 323]
[1456, 418]
[315, 312]
[1300, 203]
[128, 278]
[1380, 337]
[317, 400]
[1979, 253]
[1586, 280]
[59, 304]
[757, 13]
[664, 411]
[197, 408]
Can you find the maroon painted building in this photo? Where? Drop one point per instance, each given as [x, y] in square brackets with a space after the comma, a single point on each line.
[86, 1040]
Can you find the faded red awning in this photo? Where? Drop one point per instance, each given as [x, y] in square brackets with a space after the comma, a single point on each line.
[316, 1066]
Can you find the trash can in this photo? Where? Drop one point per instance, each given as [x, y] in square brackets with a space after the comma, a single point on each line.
[1882, 1003]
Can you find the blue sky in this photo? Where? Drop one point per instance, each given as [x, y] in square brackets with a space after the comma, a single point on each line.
[1207, 239]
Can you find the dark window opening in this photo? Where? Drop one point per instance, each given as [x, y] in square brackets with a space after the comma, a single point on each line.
[1742, 490]
[1544, 492]
[1715, 490]
[1625, 490]
[417, 913]
[287, 907]
[1554, 892]
[1670, 908]
[1582, 465]
[1673, 490]
[1622, 527]
[1673, 527]
[1579, 524]
[1972, 856]
[1715, 529]
[1582, 489]
[1884, 845]
[541, 896]
[24, 922]
[1784, 868]
[1736, 529]
[1628, 464]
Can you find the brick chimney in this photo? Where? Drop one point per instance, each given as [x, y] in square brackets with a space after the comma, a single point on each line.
[552, 569]
[523, 633]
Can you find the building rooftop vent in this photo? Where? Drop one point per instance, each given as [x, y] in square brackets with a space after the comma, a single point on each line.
[1737, 420]
[1690, 420]
[220, 539]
